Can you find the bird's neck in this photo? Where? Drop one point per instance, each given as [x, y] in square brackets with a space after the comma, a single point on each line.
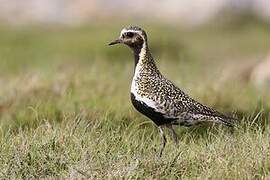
[143, 58]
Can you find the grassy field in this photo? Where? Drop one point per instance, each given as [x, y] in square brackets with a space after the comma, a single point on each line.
[65, 110]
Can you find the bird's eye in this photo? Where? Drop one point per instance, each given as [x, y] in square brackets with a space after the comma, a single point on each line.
[130, 34]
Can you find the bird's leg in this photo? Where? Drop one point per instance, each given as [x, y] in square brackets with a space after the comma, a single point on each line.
[173, 134]
[164, 140]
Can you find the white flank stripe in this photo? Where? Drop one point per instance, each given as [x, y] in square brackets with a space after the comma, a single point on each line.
[134, 86]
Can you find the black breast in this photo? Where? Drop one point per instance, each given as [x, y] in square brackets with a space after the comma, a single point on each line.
[157, 117]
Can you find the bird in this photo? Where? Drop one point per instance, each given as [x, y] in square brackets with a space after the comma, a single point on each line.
[158, 98]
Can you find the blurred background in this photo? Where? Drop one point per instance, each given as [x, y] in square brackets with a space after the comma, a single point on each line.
[185, 12]
[65, 110]
[54, 57]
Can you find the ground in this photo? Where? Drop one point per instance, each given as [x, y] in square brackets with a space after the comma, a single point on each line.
[65, 110]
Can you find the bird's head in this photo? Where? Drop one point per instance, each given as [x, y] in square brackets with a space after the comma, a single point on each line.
[132, 36]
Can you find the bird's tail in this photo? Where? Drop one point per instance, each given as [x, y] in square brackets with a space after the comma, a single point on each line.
[228, 121]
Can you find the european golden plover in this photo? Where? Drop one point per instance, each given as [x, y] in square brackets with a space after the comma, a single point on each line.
[157, 97]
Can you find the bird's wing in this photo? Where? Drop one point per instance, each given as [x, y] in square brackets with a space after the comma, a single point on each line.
[207, 112]
[185, 104]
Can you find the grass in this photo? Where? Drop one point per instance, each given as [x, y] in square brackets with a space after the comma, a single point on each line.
[65, 111]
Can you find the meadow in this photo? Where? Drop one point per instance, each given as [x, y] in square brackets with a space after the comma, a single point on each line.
[65, 110]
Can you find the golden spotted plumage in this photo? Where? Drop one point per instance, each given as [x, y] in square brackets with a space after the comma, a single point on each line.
[157, 97]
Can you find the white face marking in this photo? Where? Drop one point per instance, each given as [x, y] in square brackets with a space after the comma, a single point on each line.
[139, 65]
[130, 30]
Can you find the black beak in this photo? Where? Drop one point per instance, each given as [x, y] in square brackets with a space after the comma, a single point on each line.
[117, 41]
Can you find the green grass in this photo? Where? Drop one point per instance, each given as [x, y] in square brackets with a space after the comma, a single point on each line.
[65, 110]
